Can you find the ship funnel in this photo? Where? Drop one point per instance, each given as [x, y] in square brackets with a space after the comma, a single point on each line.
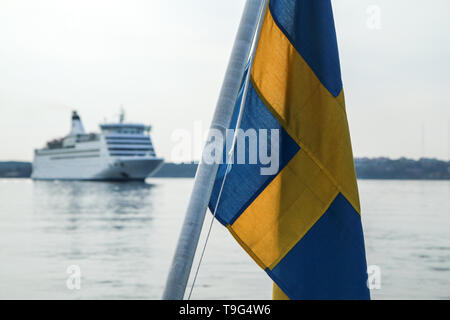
[77, 125]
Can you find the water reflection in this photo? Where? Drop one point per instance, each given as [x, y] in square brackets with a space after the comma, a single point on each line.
[103, 227]
[122, 235]
[103, 204]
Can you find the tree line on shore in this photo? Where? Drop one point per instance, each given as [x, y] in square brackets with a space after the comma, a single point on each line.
[366, 168]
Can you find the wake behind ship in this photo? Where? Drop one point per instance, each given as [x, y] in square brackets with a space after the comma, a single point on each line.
[121, 151]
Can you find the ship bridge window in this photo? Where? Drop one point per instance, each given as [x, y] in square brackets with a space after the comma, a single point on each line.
[131, 131]
[123, 129]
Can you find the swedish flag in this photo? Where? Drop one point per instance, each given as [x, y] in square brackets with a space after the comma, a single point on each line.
[302, 225]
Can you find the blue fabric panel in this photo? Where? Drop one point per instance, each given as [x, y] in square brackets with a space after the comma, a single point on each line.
[329, 262]
[309, 26]
[244, 182]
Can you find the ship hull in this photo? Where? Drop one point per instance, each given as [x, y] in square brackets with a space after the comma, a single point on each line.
[121, 169]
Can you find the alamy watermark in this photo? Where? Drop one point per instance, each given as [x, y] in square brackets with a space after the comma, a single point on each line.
[374, 277]
[231, 146]
[73, 282]
[373, 21]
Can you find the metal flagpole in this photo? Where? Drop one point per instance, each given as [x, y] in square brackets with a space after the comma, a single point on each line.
[204, 178]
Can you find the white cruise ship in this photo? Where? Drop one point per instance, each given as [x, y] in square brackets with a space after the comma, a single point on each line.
[122, 151]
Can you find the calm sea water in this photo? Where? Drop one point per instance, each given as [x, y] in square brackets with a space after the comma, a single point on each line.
[122, 237]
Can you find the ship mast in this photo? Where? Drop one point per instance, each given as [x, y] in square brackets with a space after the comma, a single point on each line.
[121, 115]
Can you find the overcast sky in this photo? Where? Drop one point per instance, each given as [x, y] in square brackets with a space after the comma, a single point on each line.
[164, 60]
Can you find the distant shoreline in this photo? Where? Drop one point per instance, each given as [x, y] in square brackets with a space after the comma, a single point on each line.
[366, 168]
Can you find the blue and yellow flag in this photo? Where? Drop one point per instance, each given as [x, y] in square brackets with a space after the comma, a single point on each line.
[302, 224]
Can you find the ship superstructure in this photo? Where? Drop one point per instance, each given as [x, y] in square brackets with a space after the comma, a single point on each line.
[121, 151]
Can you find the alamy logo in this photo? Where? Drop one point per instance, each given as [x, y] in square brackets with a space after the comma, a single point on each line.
[251, 146]
[374, 277]
[73, 282]
[373, 17]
